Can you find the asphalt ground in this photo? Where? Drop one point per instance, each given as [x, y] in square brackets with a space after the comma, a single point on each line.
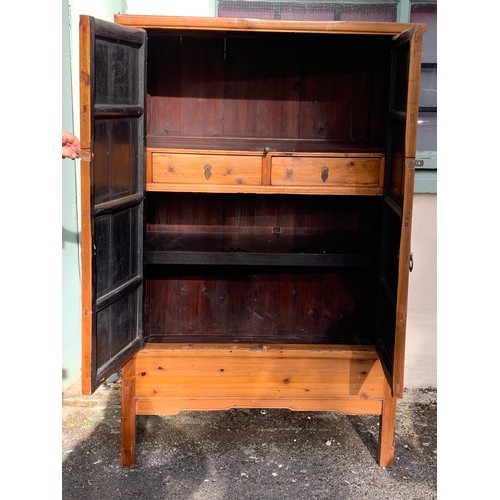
[246, 454]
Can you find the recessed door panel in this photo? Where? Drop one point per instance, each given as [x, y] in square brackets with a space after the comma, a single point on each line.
[112, 135]
[398, 201]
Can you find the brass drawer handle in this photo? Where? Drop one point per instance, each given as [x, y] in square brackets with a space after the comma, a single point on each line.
[208, 171]
[324, 174]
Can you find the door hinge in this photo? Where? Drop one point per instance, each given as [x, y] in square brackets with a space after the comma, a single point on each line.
[411, 262]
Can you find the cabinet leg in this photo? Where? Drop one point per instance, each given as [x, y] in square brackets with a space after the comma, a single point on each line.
[128, 424]
[387, 430]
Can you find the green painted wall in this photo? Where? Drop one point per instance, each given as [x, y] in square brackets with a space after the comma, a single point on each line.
[71, 351]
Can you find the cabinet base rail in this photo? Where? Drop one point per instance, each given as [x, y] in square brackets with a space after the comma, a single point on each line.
[164, 379]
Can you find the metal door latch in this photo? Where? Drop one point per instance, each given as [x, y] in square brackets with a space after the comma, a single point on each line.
[411, 262]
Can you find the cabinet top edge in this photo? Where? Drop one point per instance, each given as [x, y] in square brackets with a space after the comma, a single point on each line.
[243, 24]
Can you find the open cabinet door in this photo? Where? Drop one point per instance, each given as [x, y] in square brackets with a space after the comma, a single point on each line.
[398, 202]
[112, 97]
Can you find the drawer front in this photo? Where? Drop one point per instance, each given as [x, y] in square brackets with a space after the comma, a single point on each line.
[206, 169]
[327, 172]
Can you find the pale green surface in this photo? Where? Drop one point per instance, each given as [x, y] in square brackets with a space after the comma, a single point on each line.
[71, 351]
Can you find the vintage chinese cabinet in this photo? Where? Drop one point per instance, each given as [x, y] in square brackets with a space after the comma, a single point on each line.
[246, 212]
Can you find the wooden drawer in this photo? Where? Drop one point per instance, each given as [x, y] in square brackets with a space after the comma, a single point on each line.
[355, 174]
[206, 169]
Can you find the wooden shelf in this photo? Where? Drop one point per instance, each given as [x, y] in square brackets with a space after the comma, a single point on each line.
[219, 248]
[259, 145]
[292, 338]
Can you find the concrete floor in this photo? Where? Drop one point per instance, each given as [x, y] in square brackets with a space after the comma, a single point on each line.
[246, 454]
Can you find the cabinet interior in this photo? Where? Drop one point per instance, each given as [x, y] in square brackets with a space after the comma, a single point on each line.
[263, 268]
[283, 91]
[273, 268]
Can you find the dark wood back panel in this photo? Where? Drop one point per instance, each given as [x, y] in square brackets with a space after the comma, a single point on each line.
[241, 304]
[280, 85]
[263, 303]
[257, 213]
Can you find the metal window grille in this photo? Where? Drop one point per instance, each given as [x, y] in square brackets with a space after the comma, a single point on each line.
[312, 11]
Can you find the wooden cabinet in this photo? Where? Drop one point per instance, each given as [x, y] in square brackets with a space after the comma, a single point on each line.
[246, 213]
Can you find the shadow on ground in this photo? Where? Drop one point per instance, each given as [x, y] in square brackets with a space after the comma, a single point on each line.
[246, 454]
